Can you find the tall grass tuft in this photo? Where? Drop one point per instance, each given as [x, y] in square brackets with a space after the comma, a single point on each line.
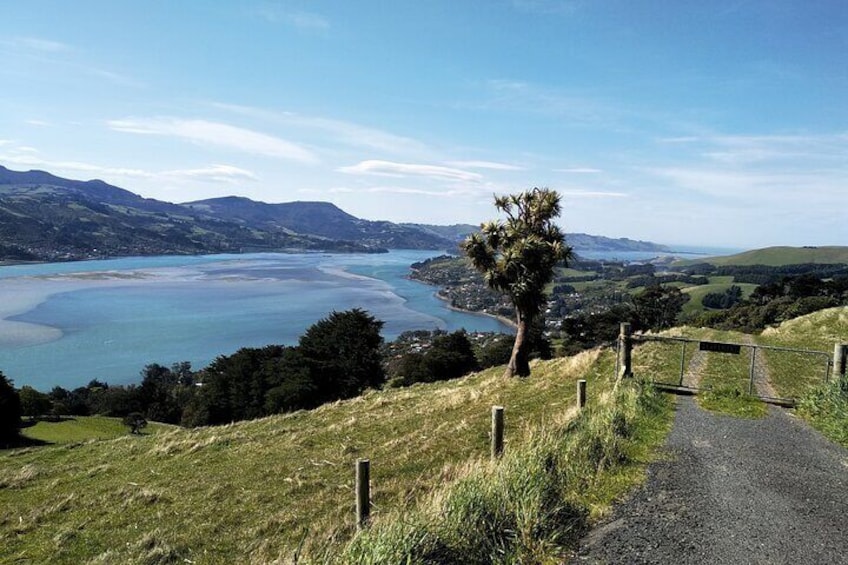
[826, 408]
[529, 507]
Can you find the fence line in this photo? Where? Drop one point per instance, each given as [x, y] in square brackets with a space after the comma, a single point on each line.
[362, 488]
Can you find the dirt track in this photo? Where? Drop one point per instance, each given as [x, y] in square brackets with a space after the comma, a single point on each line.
[733, 491]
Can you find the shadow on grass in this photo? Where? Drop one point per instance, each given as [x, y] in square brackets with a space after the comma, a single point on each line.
[23, 441]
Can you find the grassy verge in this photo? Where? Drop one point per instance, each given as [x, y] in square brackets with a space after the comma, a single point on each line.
[533, 504]
[826, 408]
[731, 401]
[823, 405]
[796, 374]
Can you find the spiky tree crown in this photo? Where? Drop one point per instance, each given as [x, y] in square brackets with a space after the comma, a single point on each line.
[517, 256]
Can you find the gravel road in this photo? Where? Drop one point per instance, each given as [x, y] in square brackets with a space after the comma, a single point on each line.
[733, 491]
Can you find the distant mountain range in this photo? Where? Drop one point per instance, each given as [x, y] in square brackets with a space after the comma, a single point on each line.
[48, 218]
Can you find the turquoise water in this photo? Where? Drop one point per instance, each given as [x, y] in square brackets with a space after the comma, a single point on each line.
[116, 316]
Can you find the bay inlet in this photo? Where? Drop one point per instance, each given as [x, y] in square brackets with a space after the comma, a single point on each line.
[64, 324]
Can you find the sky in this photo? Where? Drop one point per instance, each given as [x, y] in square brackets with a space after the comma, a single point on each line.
[720, 123]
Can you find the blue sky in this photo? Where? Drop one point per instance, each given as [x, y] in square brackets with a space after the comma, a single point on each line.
[721, 123]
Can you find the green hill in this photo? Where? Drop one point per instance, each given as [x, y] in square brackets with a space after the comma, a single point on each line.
[256, 491]
[83, 428]
[779, 256]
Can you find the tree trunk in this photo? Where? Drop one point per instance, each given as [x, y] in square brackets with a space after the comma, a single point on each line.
[519, 362]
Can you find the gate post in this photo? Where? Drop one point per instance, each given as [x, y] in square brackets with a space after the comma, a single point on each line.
[625, 350]
[839, 351]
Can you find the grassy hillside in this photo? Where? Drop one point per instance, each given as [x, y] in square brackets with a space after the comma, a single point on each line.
[256, 491]
[84, 428]
[778, 256]
[697, 293]
[261, 491]
[825, 406]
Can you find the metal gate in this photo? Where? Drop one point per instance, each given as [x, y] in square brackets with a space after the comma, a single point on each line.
[774, 374]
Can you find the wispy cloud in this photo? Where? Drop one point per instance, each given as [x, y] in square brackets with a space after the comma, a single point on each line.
[579, 170]
[35, 44]
[55, 54]
[217, 173]
[348, 133]
[520, 96]
[547, 7]
[774, 171]
[29, 157]
[485, 165]
[278, 14]
[400, 190]
[217, 134]
[591, 194]
[391, 169]
[773, 148]
[214, 173]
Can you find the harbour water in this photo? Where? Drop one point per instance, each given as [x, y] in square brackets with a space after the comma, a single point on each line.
[67, 323]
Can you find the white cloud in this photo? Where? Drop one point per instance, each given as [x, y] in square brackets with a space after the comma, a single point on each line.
[36, 44]
[547, 7]
[579, 170]
[307, 21]
[26, 157]
[591, 194]
[771, 171]
[390, 169]
[349, 133]
[217, 134]
[399, 190]
[486, 165]
[525, 97]
[54, 54]
[217, 173]
[214, 173]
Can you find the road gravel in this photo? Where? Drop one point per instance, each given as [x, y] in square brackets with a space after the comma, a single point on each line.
[729, 490]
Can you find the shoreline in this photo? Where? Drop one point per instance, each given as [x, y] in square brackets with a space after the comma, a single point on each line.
[502, 319]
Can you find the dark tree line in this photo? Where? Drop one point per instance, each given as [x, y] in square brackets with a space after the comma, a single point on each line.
[778, 301]
[723, 300]
[655, 308]
[10, 412]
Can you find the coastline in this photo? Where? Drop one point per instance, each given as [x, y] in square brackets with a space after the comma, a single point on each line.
[502, 319]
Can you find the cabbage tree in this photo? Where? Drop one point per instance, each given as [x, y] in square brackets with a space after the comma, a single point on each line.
[516, 256]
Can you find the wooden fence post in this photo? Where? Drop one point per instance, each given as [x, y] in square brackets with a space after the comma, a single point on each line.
[581, 393]
[363, 492]
[625, 349]
[839, 360]
[497, 431]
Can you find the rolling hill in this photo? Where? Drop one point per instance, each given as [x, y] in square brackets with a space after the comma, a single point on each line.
[321, 219]
[44, 217]
[779, 256]
[48, 218]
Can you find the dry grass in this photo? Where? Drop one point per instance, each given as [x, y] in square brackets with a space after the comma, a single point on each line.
[256, 491]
